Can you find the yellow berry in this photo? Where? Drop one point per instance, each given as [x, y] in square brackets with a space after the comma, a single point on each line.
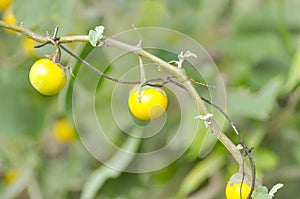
[147, 102]
[235, 188]
[63, 131]
[11, 175]
[28, 47]
[4, 4]
[47, 77]
[9, 17]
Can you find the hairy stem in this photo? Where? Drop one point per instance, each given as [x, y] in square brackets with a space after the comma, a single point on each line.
[178, 72]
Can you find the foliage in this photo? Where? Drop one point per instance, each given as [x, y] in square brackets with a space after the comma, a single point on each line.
[262, 192]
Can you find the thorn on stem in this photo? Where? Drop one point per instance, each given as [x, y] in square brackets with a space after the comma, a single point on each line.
[55, 32]
[139, 44]
[69, 68]
[206, 118]
[42, 45]
[182, 56]
[239, 147]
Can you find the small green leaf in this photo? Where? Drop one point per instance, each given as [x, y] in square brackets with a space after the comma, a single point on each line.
[261, 193]
[96, 35]
[99, 29]
[275, 188]
[92, 37]
[261, 190]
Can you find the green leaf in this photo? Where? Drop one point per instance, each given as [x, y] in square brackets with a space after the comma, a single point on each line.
[99, 29]
[253, 48]
[257, 136]
[265, 159]
[275, 188]
[20, 101]
[254, 105]
[99, 176]
[200, 173]
[261, 193]
[96, 35]
[202, 144]
[93, 37]
[294, 73]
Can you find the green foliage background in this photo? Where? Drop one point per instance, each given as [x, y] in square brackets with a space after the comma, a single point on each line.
[255, 45]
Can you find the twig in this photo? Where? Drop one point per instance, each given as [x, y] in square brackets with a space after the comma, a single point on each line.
[178, 72]
[244, 146]
[150, 82]
[95, 69]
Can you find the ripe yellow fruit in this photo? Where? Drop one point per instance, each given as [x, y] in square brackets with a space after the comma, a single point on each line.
[9, 17]
[28, 47]
[4, 4]
[63, 131]
[147, 103]
[235, 189]
[47, 77]
[11, 175]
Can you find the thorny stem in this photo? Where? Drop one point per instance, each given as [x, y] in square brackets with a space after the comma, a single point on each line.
[157, 82]
[181, 76]
[247, 150]
[178, 72]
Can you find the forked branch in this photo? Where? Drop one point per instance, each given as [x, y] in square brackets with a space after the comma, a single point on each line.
[178, 72]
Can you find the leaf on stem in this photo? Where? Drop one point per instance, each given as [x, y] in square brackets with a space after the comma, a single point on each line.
[275, 188]
[96, 35]
[261, 193]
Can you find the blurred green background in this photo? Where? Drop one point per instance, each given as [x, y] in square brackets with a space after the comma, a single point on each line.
[255, 45]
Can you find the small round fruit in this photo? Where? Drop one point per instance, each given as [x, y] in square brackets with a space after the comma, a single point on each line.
[11, 176]
[63, 131]
[235, 188]
[47, 77]
[147, 103]
[28, 47]
[4, 4]
[9, 17]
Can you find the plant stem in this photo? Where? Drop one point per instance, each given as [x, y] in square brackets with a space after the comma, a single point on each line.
[39, 38]
[181, 76]
[178, 72]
